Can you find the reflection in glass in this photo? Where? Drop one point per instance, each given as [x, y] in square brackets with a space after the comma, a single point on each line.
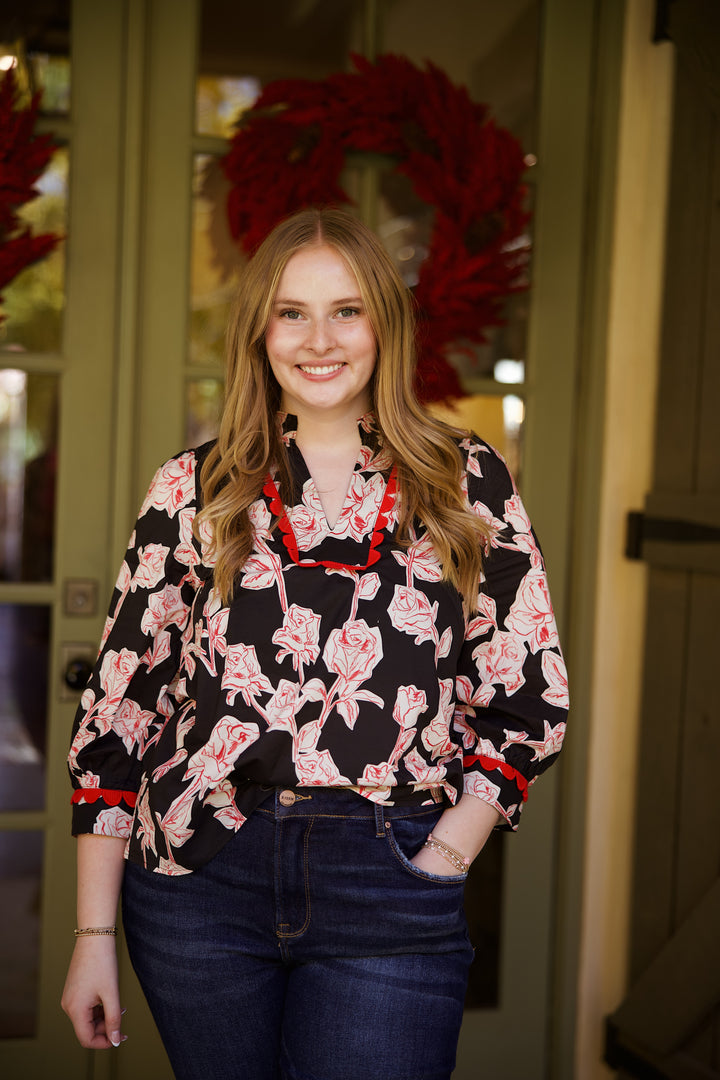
[220, 101]
[35, 40]
[490, 48]
[216, 260]
[204, 403]
[244, 46]
[496, 418]
[33, 302]
[24, 638]
[21, 856]
[28, 463]
[51, 74]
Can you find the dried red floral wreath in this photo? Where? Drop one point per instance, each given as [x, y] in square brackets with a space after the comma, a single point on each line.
[23, 158]
[289, 152]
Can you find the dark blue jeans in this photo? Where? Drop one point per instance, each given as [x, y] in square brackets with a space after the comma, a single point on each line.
[309, 948]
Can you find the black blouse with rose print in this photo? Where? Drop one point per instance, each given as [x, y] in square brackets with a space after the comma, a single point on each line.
[343, 661]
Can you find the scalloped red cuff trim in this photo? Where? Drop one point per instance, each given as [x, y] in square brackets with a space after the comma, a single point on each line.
[507, 770]
[277, 508]
[108, 795]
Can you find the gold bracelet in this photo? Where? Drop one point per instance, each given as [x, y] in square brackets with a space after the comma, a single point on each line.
[456, 858]
[96, 931]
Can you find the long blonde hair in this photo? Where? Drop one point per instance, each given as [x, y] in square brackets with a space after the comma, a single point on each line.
[424, 449]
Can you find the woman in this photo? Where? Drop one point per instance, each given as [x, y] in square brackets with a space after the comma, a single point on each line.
[315, 715]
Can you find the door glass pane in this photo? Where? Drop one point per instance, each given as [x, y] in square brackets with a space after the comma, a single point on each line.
[24, 641]
[244, 46]
[32, 303]
[216, 260]
[28, 462]
[220, 100]
[491, 48]
[203, 406]
[35, 40]
[496, 418]
[21, 855]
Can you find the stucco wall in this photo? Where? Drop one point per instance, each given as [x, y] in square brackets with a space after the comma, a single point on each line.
[631, 369]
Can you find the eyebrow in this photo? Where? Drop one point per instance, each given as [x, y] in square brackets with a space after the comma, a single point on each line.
[281, 302]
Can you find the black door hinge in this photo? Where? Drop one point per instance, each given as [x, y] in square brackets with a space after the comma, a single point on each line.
[641, 528]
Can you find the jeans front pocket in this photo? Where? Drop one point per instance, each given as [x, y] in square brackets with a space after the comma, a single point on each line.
[406, 835]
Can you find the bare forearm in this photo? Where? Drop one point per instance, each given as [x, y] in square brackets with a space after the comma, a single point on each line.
[465, 827]
[90, 997]
[100, 864]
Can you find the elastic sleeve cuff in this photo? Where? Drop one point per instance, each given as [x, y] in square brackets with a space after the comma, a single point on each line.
[498, 784]
[102, 811]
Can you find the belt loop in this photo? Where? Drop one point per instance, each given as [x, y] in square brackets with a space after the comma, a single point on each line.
[379, 820]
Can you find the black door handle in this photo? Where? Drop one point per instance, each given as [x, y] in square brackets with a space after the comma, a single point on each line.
[77, 673]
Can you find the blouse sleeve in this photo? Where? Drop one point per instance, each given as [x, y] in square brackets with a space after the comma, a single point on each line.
[511, 687]
[133, 689]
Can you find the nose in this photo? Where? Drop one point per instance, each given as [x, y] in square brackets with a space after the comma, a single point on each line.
[320, 337]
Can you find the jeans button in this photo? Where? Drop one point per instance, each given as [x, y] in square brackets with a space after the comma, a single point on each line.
[287, 798]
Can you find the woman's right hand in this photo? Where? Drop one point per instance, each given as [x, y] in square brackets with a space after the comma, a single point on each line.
[91, 997]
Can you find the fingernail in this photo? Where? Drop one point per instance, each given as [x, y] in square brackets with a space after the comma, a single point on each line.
[115, 1038]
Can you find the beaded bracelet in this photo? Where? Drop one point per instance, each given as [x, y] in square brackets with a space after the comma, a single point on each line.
[96, 931]
[458, 860]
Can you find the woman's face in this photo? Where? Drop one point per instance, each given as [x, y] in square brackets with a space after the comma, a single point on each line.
[319, 340]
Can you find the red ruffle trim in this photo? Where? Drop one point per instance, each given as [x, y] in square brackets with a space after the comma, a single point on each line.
[507, 770]
[112, 798]
[277, 508]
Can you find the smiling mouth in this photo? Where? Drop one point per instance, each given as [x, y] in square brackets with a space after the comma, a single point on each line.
[320, 369]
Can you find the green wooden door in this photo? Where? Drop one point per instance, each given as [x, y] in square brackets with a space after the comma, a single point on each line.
[59, 352]
[138, 373]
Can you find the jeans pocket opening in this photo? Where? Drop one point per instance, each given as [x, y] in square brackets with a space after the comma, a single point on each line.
[410, 867]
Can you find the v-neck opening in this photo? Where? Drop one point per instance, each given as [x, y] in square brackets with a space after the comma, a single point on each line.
[308, 498]
[290, 541]
[357, 467]
[368, 441]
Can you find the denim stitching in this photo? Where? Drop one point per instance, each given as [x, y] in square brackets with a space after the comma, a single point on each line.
[439, 879]
[308, 910]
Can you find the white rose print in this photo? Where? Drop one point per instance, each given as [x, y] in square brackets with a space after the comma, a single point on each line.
[531, 615]
[243, 675]
[501, 660]
[113, 822]
[411, 611]
[173, 486]
[555, 672]
[298, 637]
[352, 653]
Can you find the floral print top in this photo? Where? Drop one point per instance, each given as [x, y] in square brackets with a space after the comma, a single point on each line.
[344, 660]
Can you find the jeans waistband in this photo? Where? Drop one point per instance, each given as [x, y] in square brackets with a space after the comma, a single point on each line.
[343, 802]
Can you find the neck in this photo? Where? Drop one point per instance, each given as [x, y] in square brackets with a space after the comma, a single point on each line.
[325, 432]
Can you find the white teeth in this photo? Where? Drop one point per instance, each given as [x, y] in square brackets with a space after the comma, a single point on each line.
[317, 369]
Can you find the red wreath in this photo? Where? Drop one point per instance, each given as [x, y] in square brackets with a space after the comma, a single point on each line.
[24, 156]
[289, 152]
